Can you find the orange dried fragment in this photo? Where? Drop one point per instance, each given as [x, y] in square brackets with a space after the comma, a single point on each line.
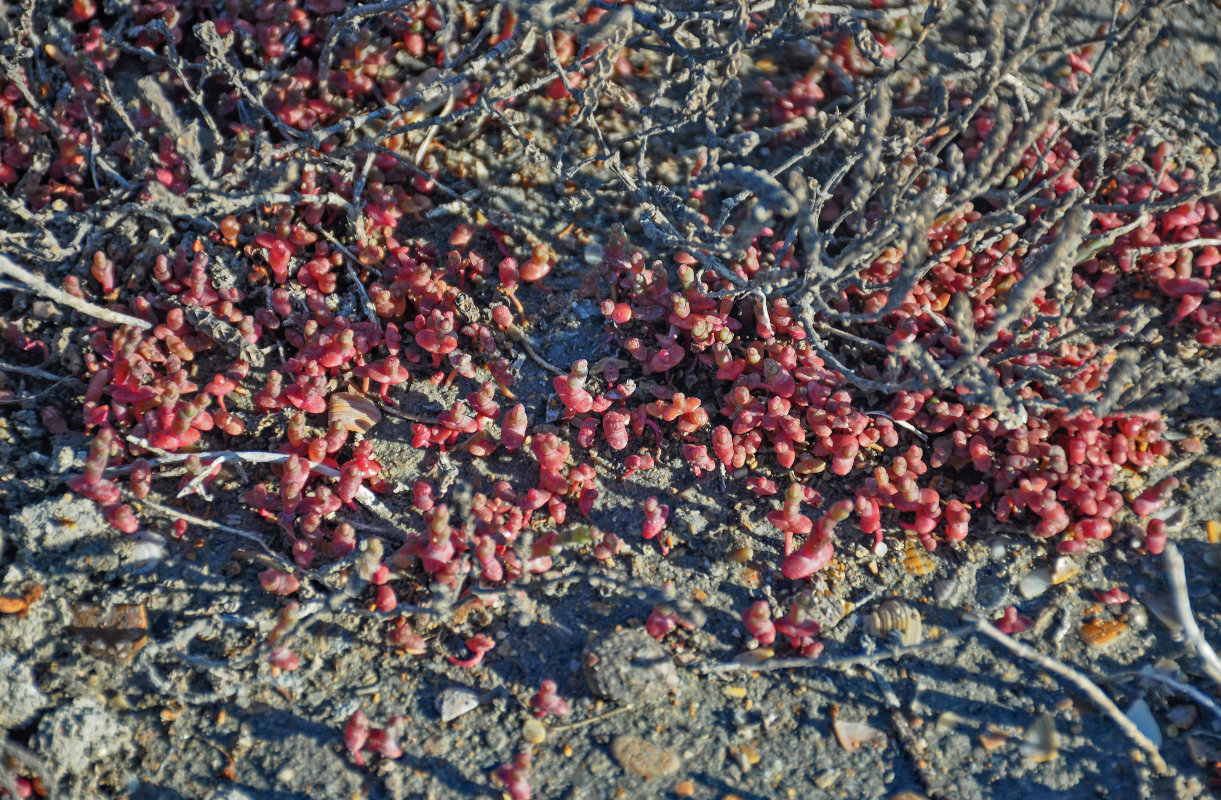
[21, 605]
[1101, 632]
[993, 738]
[1213, 529]
[117, 633]
[741, 555]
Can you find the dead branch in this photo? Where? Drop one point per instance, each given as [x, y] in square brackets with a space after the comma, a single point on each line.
[1091, 689]
[39, 285]
[1177, 579]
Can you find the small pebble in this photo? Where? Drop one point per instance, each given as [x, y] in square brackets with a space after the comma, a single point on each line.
[1063, 569]
[852, 736]
[949, 591]
[643, 758]
[1035, 582]
[1041, 742]
[1163, 608]
[991, 594]
[534, 731]
[436, 745]
[1183, 716]
[947, 721]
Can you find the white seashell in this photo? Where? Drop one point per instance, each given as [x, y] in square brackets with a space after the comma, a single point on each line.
[454, 702]
[148, 551]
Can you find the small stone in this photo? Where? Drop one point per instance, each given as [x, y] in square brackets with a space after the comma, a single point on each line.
[756, 656]
[1040, 742]
[628, 666]
[436, 745]
[993, 738]
[534, 731]
[734, 692]
[949, 591]
[1183, 716]
[947, 721]
[745, 756]
[63, 460]
[991, 594]
[455, 701]
[1063, 569]
[1035, 582]
[741, 555]
[643, 758]
[826, 779]
[684, 788]
[1163, 608]
[1202, 753]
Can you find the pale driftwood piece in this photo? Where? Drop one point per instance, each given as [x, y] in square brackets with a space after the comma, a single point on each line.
[40, 286]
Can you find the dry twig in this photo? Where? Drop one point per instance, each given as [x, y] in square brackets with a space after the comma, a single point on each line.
[1177, 578]
[40, 286]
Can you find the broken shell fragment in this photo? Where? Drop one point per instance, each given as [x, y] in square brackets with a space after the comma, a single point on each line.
[916, 559]
[852, 736]
[895, 619]
[1063, 569]
[353, 412]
